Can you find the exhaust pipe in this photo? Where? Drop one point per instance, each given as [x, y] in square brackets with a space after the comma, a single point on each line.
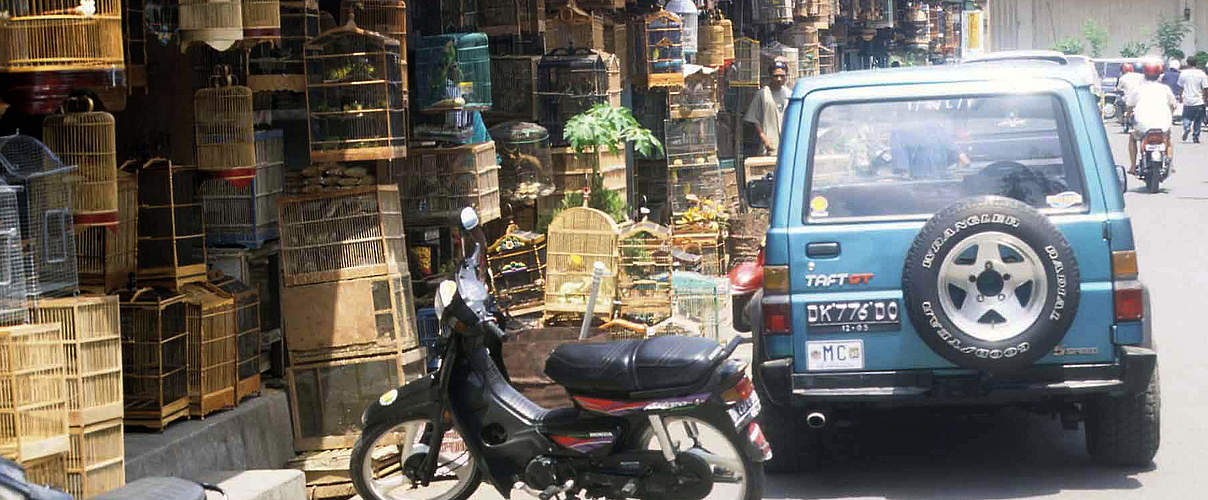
[815, 420]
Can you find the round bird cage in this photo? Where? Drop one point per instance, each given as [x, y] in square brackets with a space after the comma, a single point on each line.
[775, 11]
[662, 49]
[226, 142]
[355, 94]
[261, 21]
[571, 81]
[86, 138]
[524, 159]
[578, 238]
[47, 233]
[453, 72]
[744, 71]
[217, 23]
[644, 286]
[716, 42]
[689, 15]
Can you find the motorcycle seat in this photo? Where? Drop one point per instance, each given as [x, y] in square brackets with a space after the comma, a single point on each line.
[626, 367]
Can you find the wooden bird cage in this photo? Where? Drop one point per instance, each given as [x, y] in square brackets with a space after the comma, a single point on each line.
[223, 123]
[700, 97]
[96, 463]
[340, 235]
[661, 39]
[86, 139]
[525, 166]
[356, 96]
[799, 35]
[387, 17]
[217, 23]
[700, 299]
[171, 233]
[134, 32]
[716, 43]
[261, 21]
[107, 258]
[50, 48]
[514, 82]
[210, 319]
[744, 72]
[349, 318]
[260, 267]
[33, 395]
[247, 333]
[699, 247]
[453, 72]
[571, 81]
[573, 27]
[516, 263]
[578, 238]
[48, 471]
[155, 345]
[511, 17]
[438, 182]
[92, 341]
[13, 298]
[242, 211]
[573, 171]
[644, 285]
[774, 11]
[281, 68]
[47, 231]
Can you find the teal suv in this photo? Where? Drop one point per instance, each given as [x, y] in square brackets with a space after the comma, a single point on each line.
[952, 236]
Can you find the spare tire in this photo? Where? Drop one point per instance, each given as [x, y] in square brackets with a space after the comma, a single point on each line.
[991, 284]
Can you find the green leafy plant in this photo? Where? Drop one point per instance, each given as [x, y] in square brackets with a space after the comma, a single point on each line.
[1200, 57]
[605, 200]
[1169, 34]
[1069, 46]
[1134, 48]
[603, 125]
[1095, 35]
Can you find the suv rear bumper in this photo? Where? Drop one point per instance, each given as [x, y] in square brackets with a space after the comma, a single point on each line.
[1129, 375]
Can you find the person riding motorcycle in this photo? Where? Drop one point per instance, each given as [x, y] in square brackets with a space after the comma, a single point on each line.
[1153, 106]
[1129, 80]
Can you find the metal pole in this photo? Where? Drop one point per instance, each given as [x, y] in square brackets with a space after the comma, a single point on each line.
[597, 275]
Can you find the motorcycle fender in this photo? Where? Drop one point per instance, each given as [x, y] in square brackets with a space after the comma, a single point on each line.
[413, 398]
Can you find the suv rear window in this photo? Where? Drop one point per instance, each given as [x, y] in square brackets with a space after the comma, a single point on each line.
[911, 158]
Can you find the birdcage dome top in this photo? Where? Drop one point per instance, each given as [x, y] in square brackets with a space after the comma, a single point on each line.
[518, 131]
[350, 29]
[23, 157]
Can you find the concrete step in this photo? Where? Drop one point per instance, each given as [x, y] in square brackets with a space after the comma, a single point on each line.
[280, 484]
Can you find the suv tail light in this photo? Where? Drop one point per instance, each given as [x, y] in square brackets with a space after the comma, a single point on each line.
[1129, 296]
[776, 308]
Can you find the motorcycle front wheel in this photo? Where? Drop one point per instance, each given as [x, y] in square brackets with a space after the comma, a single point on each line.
[385, 459]
[734, 476]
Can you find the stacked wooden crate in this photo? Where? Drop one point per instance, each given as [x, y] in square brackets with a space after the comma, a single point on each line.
[33, 401]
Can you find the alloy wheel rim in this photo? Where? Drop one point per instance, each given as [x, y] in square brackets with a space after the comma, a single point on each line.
[992, 286]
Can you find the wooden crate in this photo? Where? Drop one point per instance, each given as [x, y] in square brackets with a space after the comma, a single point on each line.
[96, 463]
[579, 237]
[327, 399]
[247, 333]
[107, 258]
[351, 318]
[92, 344]
[328, 237]
[513, 81]
[572, 171]
[33, 405]
[47, 471]
[210, 318]
[155, 345]
[171, 234]
[438, 182]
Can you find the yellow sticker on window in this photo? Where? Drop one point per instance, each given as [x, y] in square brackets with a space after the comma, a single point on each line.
[818, 206]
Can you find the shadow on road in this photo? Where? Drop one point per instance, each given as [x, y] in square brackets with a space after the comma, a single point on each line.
[918, 455]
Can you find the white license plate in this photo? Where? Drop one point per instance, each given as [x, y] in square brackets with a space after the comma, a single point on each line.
[835, 355]
[745, 410]
[1154, 147]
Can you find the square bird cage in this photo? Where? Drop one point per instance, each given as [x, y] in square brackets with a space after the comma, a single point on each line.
[171, 233]
[210, 319]
[516, 262]
[775, 11]
[247, 333]
[374, 315]
[92, 343]
[387, 17]
[572, 27]
[356, 96]
[280, 67]
[44, 200]
[515, 83]
[217, 23]
[226, 144]
[700, 97]
[744, 71]
[700, 300]
[106, 257]
[33, 396]
[578, 238]
[96, 463]
[240, 210]
[571, 81]
[261, 21]
[511, 17]
[87, 139]
[662, 49]
[453, 72]
[525, 165]
[438, 182]
[644, 286]
[155, 346]
[13, 299]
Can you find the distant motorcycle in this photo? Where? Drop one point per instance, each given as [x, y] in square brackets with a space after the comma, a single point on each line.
[1124, 116]
[1153, 164]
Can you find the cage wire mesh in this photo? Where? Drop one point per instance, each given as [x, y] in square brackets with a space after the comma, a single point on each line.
[514, 81]
[453, 72]
[12, 267]
[516, 263]
[571, 81]
[44, 200]
[578, 238]
[154, 351]
[171, 232]
[280, 67]
[87, 139]
[525, 165]
[744, 71]
[244, 211]
[644, 286]
[261, 21]
[662, 49]
[56, 35]
[700, 299]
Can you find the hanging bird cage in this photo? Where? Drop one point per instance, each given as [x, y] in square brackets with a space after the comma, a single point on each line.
[821, 14]
[799, 35]
[744, 72]
[525, 166]
[571, 81]
[86, 139]
[243, 211]
[779, 51]
[217, 23]
[689, 15]
[516, 263]
[280, 68]
[155, 346]
[261, 21]
[572, 27]
[700, 300]
[453, 72]
[511, 17]
[247, 333]
[171, 235]
[775, 11]
[50, 48]
[106, 258]
[700, 95]
[223, 123]
[438, 182]
[387, 17]
[578, 238]
[44, 197]
[210, 317]
[514, 81]
[716, 43]
[12, 265]
[356, 96]
[662, 49]
[134, 32]
[644, 286]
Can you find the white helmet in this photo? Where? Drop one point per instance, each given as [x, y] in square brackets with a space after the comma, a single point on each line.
[1175, 64]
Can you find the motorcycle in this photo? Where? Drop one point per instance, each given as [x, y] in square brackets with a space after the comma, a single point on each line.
[1153, 164]
[746, 290]
[664, 417]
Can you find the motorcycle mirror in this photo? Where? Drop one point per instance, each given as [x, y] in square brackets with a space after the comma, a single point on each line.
[469, 218]
[444, 296]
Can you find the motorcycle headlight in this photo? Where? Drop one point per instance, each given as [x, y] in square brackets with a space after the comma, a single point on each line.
[444, 296]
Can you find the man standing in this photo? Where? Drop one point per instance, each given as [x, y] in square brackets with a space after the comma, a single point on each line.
[1171, 77]
[1192, 82]
[766, 111]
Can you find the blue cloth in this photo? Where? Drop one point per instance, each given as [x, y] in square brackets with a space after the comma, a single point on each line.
[924, 150]
[1171, 79]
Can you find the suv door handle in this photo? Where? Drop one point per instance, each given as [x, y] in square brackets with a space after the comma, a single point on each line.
[827, 250]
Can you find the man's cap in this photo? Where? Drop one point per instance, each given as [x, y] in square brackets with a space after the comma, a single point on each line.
[778, 65]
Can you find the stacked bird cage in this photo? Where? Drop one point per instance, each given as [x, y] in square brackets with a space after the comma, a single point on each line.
[247, 333]
[92, 343]
[107, 258]
[573, 27]
[616, 41]
[33, 398]
[226, 145]
[260, 267]
[261, 21]
[514, 81]
[516, 262]
[356, 96]
[662, 60]
[716, 42]
[525, 166]
[171, 233]
[155, 345]
[44, 198]
[86, 139]
[700, 300]
[700, 97]
[281, 68]
[210, 319]
[96, 463]
[242, 211]
[819, 13]
[387, 17]
[744, 72]
[644, 286]
[134, 32]
[511, 17]
[50, 48]
[453, 72]
[579, 237]
[12, 265]
[571, 81]
[217, 23]
[694, 171]
[49, 471]
[573, 170]
[438, 182]
[775, 11]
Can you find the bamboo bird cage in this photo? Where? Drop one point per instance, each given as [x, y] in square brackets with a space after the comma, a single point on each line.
[511, 17]
[49, 470]
[261, 21]
[387, 17]
[210, 319]
[247, 333]
[96, 463]
[571, 81]
[226, 142]
[578, 238]
[516, 264]
[644, 286]
[155, 346]
[106, 257]
[33, 395]
[716, 42]
[171, 235]
[662, 49]
[438, 182]
[775, 11]
[572, 27]
[44, 198]
[217, 23]
[12, 266]
[513, 82]
[241, 211]
[92, 342]
[280, 68]
[744, 72]
[87, 139]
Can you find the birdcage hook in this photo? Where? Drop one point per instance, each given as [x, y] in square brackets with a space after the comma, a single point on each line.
[222, 73]
[87, 102]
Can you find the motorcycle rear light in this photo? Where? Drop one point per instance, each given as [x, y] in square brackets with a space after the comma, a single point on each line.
[1124, 264]
[775, 280]
[740, 392]
[1155, 138]
[1130, 301]
[777, 318]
